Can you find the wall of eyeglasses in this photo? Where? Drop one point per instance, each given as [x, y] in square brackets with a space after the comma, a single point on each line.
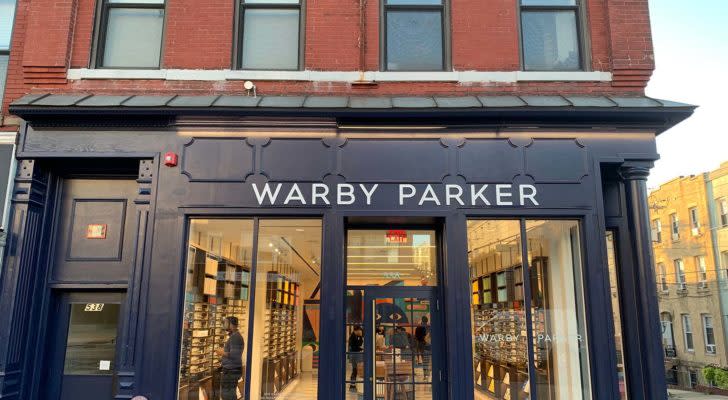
[217, 287]
[281, 333]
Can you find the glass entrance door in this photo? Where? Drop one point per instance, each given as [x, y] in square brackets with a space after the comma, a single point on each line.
[85, 347]
[401, 345]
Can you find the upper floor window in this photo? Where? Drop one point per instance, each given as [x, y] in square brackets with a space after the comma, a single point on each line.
[675, 227]
[687, 332]
[550, 35]
[130, 34]
[270, 34]
[663, 277]
[708, 333]
[694, 220]
[680, 274]
[702, 270]
[7, 13]
[414, 35]
[656, 231]
[723, 211]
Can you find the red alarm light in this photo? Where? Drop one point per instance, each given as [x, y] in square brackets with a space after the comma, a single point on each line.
[170, 159]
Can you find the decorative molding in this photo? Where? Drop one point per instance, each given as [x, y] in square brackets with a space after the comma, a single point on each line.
[340, 76]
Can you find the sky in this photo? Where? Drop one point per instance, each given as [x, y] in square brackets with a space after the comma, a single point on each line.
[691, 55]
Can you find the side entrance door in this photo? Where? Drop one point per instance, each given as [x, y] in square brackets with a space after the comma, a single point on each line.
[84, 351]
[403, 343]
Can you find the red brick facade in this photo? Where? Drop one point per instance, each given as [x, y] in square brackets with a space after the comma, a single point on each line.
[51, 36]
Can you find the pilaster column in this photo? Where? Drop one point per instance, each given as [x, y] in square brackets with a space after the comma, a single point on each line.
[648, 318]
[133, 329]
[22, 274]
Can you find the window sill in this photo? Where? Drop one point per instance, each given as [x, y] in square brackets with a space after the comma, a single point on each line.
[339, 76]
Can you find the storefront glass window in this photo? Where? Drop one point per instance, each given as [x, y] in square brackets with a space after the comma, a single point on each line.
[285, 320]
[614, 289]
[500, 341]
[285, 336]
[395, 257]
[500, 314]
[557, 311]
[217, 286]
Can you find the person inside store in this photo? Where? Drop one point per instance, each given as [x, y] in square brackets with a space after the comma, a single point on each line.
[420, 336]
[356, 347]
[400, 340]
[231, 357]
[380, 340]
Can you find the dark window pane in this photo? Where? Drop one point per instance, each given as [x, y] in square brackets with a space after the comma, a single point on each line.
[137, 1]
[548, 2]
[415, 2]
[7, 11]
[6, 158]
[133, 37]
[414, 40]
[271, 1]
[270, 39]
[3, 73]
[550, 40]
[91, 344]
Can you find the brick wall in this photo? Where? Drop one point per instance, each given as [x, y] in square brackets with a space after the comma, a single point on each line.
[51, 36]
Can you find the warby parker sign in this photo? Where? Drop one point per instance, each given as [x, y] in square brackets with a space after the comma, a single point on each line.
[342, 194]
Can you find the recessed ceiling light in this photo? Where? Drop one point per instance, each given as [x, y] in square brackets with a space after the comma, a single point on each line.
[299, 229]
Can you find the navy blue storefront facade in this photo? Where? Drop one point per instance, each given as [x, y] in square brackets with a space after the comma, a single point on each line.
[108, 196]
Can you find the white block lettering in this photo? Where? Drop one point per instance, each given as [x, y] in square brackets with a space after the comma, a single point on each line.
[316, 194]
[341, 193]
[410, 194]
[531, 195]
[294, 194]
[500, 195]
[429, 195]
[478, 195]
[368, 194]
[449, 195]
[266, 193]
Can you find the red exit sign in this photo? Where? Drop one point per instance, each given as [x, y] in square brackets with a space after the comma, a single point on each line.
[396, 236]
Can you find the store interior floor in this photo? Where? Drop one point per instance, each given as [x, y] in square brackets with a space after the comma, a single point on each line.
[304, 387]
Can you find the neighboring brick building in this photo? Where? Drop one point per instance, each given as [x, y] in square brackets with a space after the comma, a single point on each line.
[687, 279]
[447, 173]
[689, 216]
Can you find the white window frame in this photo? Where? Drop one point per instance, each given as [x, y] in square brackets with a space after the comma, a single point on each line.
[657, 230]
[680, 277]
[694, 221]
[722, 211]
[675, 226]
[707, 321]
[702, 270]
[687, 330]
[663, 277]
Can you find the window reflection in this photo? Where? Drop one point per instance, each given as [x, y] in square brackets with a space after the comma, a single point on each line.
[217, 287]
[499, 314]
[557, 312]
[394, 257]
[286, 319]
[284, 346]
[91, 342]
[616, 313]
[500, 352]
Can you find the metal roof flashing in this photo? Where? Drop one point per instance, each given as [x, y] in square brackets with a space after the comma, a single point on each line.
[551, 110]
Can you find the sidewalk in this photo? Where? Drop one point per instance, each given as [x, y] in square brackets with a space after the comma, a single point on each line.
[685, 395]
